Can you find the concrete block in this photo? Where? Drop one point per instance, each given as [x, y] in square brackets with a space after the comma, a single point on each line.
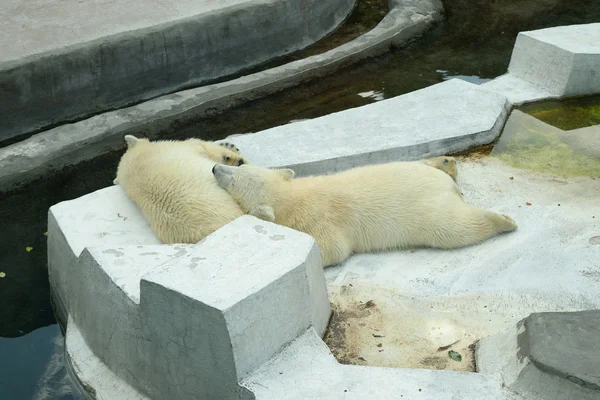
[565, 344]
[564, 61]
[547, 356]
[103, 218]
[110, 54]
[172, 320]
[231, 303]
[448, 117]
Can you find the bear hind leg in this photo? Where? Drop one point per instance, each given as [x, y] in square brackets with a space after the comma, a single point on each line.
[472, 226]
[334, 252]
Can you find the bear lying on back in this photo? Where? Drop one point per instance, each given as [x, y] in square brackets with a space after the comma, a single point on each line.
[379, 207]
[172, 184]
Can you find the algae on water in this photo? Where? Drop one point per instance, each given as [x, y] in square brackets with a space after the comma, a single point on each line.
[566, 114]
[528, 143]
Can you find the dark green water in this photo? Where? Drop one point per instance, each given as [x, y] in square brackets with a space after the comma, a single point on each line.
[475, 43]
[566, 114]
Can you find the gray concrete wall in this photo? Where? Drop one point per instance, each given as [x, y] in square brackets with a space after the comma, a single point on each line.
[69, 144]
[112, 72]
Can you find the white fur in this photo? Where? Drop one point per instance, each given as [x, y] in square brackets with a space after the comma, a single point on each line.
[379, 207]
[172, 184]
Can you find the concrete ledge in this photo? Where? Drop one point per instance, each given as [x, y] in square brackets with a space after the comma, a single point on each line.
[547, 356]
[71, 143]
[107, 71]
[445, 118]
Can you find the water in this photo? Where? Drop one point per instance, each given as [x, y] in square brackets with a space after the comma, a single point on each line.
[528, 143]
[566, 114]
[37, 368]
[475, 43]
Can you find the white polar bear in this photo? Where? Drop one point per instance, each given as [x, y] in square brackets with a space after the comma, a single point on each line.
[378, 207]
[172, 184]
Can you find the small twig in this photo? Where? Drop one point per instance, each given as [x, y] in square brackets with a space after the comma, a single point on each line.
[447, 347]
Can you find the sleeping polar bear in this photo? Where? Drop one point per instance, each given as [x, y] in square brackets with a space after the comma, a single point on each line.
[378, 207]
[171, 183]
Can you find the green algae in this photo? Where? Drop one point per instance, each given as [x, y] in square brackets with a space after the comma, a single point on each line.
[528, 143]
[566, 114]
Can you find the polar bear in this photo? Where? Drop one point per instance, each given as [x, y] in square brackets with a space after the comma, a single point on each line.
[378, 207]
[172, 184]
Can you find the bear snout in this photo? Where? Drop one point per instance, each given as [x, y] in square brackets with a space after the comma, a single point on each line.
[241, 162]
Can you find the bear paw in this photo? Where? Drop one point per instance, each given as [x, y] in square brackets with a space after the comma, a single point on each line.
[230, 146]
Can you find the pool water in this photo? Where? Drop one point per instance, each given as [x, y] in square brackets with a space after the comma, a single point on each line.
[566, 114]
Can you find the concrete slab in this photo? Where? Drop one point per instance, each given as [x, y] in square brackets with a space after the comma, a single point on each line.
[563, 60]
[83, 140]
[110, 54]
[546, 356]
[402, 128]
[422, 300]
[518, 91]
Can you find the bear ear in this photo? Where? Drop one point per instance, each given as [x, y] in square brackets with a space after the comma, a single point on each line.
[115, 181]
[286, 173]
[130, 140]
[264, 212]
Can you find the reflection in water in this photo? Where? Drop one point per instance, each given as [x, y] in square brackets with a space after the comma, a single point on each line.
[474, 79]
[375, 95]
[36, 367]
